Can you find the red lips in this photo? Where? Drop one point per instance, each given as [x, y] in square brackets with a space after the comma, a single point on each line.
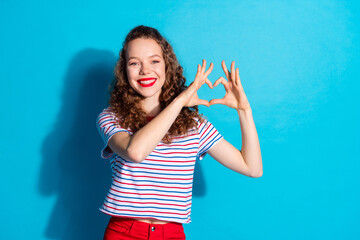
[146, 82]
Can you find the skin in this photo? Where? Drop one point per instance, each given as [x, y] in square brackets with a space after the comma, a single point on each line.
[137, 147]
[145, 60]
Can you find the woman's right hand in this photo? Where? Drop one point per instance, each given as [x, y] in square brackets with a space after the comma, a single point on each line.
[189, 96]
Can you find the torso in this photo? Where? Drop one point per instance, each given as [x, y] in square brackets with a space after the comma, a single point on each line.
[169, 169]
[151, 221]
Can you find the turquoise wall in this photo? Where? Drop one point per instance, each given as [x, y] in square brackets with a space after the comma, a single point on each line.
[298, 64]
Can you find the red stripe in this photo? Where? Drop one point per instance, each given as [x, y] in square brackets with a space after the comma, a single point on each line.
[175, 145]
[106, 131]
[151, 194]
[129, 210]
[207, 139]
[205, 131]
[104, 117]
[156, 168]
[109, 123]
[181, 179]
[185, 136]
[177, 161]
[112, 123]
[149, 185]
[173, 152]
[156, 203]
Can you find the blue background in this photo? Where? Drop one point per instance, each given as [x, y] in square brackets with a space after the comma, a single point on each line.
[298, 64]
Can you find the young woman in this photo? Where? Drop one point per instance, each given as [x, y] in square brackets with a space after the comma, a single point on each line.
[153, 135]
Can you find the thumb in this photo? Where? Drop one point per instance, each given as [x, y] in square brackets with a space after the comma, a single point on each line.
[203, 102]
[217, 101]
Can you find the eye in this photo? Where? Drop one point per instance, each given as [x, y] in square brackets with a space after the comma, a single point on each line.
[155, 61]
[133, 63]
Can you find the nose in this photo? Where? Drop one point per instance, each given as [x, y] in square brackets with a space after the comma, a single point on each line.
[145, 69]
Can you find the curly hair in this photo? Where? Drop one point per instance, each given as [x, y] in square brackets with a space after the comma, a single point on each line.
[125, 101]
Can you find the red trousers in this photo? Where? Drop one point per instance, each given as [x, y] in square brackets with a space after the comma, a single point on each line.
[127, 228]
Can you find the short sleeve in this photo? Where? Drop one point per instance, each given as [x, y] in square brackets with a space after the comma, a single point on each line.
[209, 136]
[107, 127]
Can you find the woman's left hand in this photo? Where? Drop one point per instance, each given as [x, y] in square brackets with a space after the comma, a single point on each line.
[235, 96]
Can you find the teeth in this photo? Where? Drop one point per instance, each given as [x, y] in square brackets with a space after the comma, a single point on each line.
[147, 81]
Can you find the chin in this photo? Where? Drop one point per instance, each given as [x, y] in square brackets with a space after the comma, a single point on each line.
[147, 94]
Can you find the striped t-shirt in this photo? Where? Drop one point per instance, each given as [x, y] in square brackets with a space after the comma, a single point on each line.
[160, 187]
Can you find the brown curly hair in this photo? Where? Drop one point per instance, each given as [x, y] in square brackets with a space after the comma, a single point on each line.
[125, 101]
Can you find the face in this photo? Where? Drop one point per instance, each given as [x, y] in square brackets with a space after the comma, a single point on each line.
[145, 67]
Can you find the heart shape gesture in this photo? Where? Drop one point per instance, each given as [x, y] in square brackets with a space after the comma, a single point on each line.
[234, 97]
[190, 94]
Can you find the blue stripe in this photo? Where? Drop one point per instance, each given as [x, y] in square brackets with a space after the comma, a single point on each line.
[153, 155]
[208, 133]
[138, 180]
[203, 127]
[186, 140]
[173, 148]
[102, 122]
[205, 143]
[115, 130]
[169, 200]
[109, 135]
[168, 174]
[141, 189]
[162, 165]
[210, 144]
[111, 131]
[183, 210]
[137, 215]
[103, 128]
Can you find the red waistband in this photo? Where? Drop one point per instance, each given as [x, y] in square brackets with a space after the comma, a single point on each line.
[132, 222]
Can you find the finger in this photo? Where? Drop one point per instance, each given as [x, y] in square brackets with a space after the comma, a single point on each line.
[207, 81]
[233, 72]
[226, 71]
[217, 101]
[211, 67]
[203, 65]
[198, 72]
[222, 81]
[203, 102]
[237, 78]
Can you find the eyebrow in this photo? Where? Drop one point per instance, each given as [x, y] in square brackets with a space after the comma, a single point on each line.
[155, 55]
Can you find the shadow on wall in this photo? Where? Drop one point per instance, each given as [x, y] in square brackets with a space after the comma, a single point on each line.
[72, 168]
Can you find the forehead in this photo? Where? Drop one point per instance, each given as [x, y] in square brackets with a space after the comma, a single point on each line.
[142, 48]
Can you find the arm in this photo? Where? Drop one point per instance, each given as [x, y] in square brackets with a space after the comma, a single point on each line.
[138, 146]
[248, 161]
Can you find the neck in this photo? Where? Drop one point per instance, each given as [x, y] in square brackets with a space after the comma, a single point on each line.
[151, 106]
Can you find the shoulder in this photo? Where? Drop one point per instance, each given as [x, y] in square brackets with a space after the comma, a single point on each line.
[202, 122]
[203, 126]
[107, 120]
[106, 111]
[107, 115]
[200, 119]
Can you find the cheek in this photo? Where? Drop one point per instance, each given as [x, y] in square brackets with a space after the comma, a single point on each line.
[131, 76]
[161, 70]
[131, 73]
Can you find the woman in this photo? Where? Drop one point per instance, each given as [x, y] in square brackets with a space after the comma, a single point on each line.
[153, 135]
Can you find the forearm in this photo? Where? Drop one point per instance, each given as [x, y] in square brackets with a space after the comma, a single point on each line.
[138, 146]
[144, 141]
[250, 148]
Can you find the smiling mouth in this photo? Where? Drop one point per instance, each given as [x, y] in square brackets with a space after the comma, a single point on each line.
[146, 82]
